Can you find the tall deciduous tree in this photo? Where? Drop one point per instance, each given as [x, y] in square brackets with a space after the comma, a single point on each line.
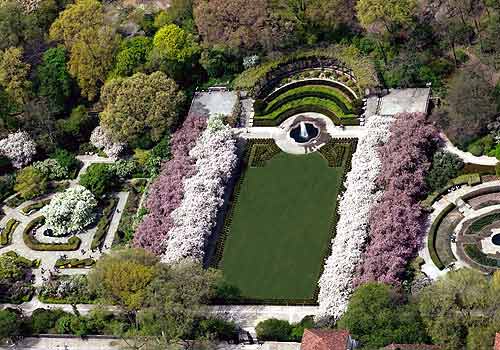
[462, 308]
[54, 82]
[378, 316]
[14, 75]
[141, 106]
[174, 44]
[383, 15]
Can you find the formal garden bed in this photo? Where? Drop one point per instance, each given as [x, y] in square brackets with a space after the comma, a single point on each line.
[73, 242]
[278, 232]
[7, 231]
[34, 207]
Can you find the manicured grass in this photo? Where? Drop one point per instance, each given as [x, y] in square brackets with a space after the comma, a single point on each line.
[281, 227]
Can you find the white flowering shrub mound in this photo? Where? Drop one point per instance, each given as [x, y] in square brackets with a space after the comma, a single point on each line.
[70, 211]
[194, 219]
[51, 169]
[336, 282]
[19, 148]
[101, 140]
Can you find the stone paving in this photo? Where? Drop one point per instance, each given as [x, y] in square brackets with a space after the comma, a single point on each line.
[49, 258]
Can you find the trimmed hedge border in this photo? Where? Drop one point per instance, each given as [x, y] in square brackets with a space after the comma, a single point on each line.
[103, 224]
[74, 263]
[6, 235]
[304, 109]
[219, 250]
[307, 82]
[34, 207]
[72, 244]
[262, 152]
[34, 264]
[476, 255]
[431, 239]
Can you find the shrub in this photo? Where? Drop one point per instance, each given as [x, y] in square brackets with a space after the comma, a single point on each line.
[274, 330]
[475, 149]
[30, 183]
[72, 244]
[103, 224]
[6, 185]
[445, 166]
[70, 211]
[74, 263]
[43, 320]
[98, 179]
[6, 235]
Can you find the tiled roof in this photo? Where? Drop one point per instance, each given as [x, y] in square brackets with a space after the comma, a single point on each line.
[497, 342]
[411, 347]
[324, 339]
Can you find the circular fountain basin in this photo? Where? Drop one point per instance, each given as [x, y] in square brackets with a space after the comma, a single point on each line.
[496, 239]
[296, 134]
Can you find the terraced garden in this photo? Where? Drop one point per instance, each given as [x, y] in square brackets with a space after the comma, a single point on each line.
[326, 97]
[282, 217]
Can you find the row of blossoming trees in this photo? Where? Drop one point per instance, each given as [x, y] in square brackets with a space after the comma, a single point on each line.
[183, 201]
[381, 223]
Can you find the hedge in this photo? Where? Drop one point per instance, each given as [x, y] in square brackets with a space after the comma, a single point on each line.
[103, 224]
[30, 209]
[345, 108]
[74, 263]
[482, 222]
[475, 254]
[431, 239]
[6, 235]
[24, 261]
[325, 103]
[347, 120]
[466, 179]
[72, 244]
[311, 82]
[261, 152]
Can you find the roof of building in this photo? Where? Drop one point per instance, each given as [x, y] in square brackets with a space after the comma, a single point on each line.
[324, 339]
[497, 342]
[411, 347]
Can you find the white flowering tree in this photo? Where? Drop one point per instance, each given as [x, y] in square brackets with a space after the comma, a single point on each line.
[70, 211]
[19, 148]
[194, 219]
[51, 169]
[336, 282]
[101, 140]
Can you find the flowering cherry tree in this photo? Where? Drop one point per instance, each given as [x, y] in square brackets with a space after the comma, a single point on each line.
[19, 148]
[194, 219]
[166, 192]
[101, 140]
[336, 282]
[70, 211]
[397, 223]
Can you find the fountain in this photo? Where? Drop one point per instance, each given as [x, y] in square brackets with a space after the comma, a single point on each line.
[303, 130]
[496, 239]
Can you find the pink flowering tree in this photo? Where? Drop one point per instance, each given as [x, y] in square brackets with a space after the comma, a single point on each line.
[195, 218]
[397, 222]
[166, 192]
[19, 148]
[103, 141]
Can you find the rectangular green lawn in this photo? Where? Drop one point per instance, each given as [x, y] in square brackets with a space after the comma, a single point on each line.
[281, 227]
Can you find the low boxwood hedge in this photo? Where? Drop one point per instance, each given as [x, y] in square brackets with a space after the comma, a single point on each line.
[72, 244]
[323, 92]
[466, 179]
[6, 235]
[345, 120]
[475, 254]
[103, 224]
[30, 209]
[24, 261]
[431, 239]
[317, 82]
[325, 103]
[74, 263]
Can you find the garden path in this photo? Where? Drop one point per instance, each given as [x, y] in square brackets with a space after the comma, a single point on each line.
[455, 197]
[468, 157]
[283, 140]
[49, 258]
